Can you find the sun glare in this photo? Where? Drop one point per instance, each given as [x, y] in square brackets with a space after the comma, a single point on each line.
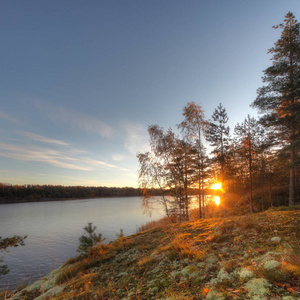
[216, 186]
[217, 200]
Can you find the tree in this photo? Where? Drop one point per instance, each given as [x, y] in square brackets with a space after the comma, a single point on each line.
[170, 166]
[158, 167]
[218, 136]
[153, 176]
[279, 99]
[89, 239]
[183, 162]
[9, 242]
[193, 127]
[249, 138]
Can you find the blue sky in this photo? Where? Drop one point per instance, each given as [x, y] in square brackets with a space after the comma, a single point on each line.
[82, 80]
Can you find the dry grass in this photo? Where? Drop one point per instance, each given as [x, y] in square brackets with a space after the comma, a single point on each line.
[156, 223]
[192, 260]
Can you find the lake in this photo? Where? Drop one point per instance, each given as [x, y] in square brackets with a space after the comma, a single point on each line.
[53, 230]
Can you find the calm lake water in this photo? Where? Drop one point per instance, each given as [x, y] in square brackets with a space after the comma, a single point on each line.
[53, 230]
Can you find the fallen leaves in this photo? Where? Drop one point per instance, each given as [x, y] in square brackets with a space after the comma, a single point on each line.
[294, 290]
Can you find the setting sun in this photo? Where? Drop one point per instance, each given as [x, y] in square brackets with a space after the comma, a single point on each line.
[216, 186]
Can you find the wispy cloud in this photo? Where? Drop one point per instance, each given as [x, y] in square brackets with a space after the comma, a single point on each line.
[44, 155]
[136, 138]
[39, 138]
[76, 119]
[6, 117]
[95, 162]
[118, 157]
[65, 157]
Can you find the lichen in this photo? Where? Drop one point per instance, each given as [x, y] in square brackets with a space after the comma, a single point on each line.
[258, 288]
[271, 264]
[276, 239]
[214, 295]
[189, 270]
[246, 273]
[212, 258]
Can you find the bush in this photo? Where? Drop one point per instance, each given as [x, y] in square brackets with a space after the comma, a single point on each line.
[89, 240]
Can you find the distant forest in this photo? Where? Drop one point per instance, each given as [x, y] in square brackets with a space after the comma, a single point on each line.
[31, 193]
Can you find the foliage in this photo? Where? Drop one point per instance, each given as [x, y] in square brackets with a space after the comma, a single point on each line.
[26, 193]
[194, 127]
[89, 240]
[249, 135]
[279, 99]
[218, 136]
[167, 166]
[8, 242]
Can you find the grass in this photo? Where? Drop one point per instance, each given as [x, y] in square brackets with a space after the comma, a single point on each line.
[156, 223]
[232, 258]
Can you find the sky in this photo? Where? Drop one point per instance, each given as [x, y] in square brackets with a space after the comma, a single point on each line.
[82, 80]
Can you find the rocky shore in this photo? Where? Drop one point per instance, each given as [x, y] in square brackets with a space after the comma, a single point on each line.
[247, 257]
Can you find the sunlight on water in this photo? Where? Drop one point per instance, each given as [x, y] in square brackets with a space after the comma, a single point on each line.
[217, 200]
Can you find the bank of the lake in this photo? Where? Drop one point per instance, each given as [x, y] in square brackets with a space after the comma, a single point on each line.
[246, 257]
[53, 229]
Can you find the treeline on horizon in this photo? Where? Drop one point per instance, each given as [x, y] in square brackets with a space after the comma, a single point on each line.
[30, 193]
[10, 193]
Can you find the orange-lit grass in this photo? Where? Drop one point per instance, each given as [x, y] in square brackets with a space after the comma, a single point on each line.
[152, 224]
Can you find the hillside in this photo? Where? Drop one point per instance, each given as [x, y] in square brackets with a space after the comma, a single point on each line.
[247, 257]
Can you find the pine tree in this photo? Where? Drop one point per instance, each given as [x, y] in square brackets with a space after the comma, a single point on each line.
[249, 139]
[89, 241]
[9, 242]
[279, 99]
[218, 136]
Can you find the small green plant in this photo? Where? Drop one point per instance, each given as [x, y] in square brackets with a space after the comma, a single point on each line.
[118, 243]
[121, 234]
[89, 240]
[8, 242]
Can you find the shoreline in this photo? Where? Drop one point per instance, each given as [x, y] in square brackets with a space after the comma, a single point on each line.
[22, 200]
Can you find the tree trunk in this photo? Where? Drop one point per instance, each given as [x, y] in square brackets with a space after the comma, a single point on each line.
[203, 211]
[292, 178]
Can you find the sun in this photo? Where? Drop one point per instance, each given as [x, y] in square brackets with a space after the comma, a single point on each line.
[216, 186]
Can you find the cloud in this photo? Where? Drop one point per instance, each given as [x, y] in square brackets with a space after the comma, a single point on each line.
[6, 117]
[67, 158]
[118, 157]
[76, 119]
[36, 154]
[99, 163]
[39, 138]
[136, 138]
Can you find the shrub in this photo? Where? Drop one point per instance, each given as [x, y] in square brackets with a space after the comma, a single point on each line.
[89, 241]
